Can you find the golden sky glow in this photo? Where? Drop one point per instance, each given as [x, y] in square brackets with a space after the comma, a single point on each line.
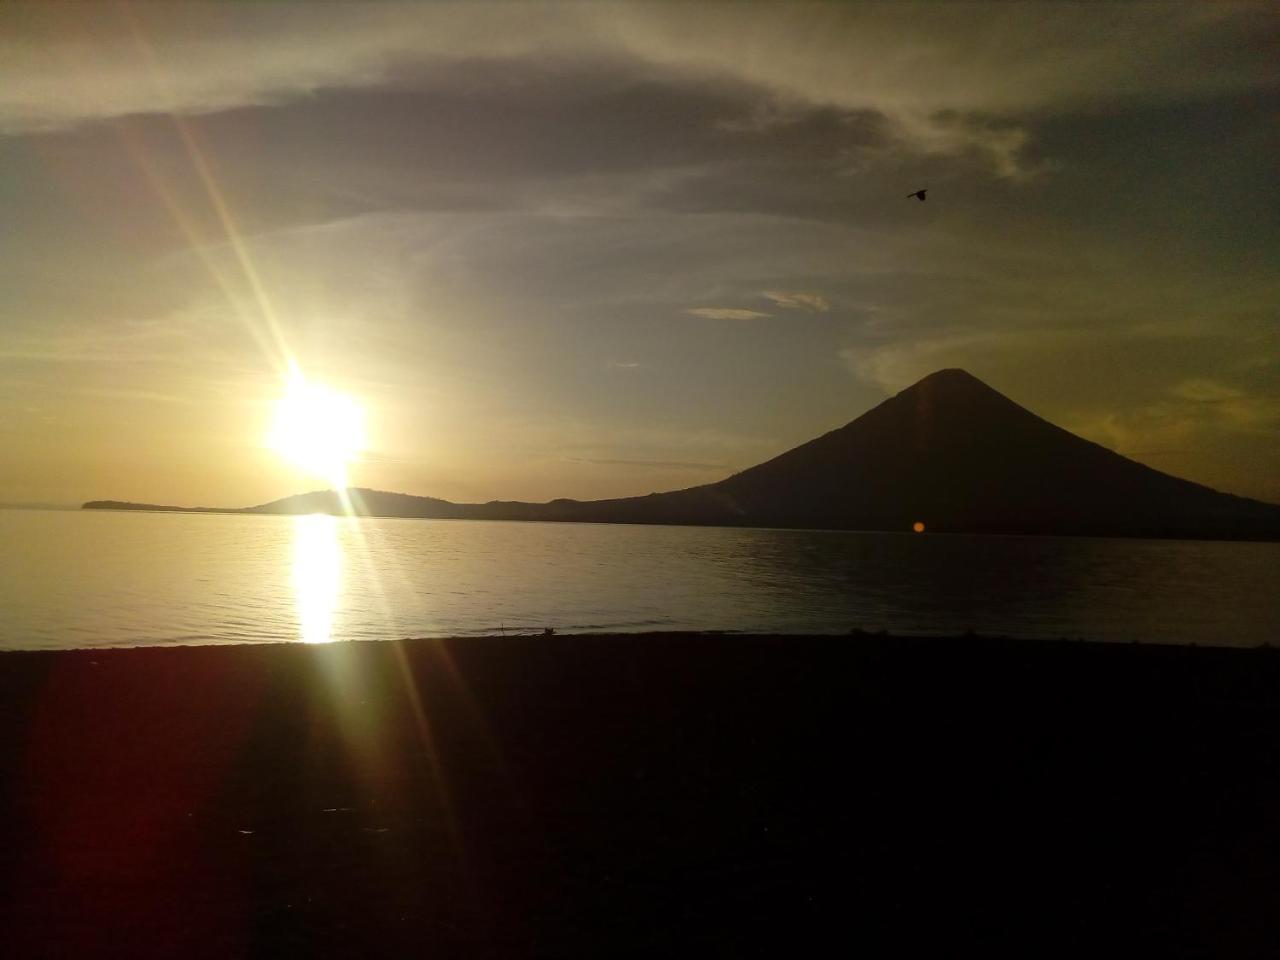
[600, 250]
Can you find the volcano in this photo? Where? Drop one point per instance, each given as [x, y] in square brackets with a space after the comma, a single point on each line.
[952, 454]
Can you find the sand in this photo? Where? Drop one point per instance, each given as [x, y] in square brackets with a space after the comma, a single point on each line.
[641, 795]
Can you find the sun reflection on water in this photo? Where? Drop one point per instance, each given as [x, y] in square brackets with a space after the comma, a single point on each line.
[317, 575]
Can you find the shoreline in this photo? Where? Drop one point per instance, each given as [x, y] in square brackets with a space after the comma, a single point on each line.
[1176, 537]
[854, 636]
[580, 795]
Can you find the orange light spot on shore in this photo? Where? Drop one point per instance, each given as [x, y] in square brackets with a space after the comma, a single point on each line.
[918, 527]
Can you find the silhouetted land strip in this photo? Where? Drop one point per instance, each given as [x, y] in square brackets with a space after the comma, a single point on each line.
[949, 452]
[157, 507]
[641, 795]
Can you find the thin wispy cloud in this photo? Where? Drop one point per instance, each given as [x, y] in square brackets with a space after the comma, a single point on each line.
[726, 313]
[812, 302]
[1201, 390]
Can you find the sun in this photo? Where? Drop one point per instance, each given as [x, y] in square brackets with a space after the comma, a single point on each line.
[317, 429]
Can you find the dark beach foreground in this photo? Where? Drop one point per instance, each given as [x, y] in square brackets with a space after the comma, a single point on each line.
[641, 795]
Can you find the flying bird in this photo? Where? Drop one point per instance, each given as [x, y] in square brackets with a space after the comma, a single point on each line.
[919, 194]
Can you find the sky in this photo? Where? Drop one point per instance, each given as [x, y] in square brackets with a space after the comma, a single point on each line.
[596, 250]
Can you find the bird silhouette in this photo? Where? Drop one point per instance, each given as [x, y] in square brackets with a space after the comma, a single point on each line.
[919, 194]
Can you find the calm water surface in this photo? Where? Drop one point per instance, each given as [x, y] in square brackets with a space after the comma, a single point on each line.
[83, 579]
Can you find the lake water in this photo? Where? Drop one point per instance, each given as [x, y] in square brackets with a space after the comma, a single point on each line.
[89, 579]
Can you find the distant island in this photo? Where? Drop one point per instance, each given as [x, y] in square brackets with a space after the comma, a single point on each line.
[948, 453]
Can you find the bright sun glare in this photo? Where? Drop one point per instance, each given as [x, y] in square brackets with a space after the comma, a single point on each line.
[318, 429]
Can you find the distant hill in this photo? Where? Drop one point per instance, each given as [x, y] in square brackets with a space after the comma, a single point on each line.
[948, 452]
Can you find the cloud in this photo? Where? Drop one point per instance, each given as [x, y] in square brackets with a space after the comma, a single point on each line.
[144, 396]
[997, 57]
[896, 365]
[1205, 391]
[1001, 145]
[916, 68]
[1181, 424]
[116, 60]
[812, 302]
[727, 313]
[624, 365]
[157, 340]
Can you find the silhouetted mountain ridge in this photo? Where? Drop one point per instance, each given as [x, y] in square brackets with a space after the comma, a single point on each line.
[949, 452]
